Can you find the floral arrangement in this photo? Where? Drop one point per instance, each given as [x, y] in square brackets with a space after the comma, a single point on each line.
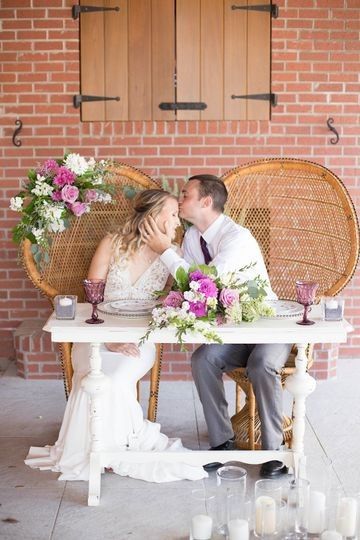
[56, 192]
[200, 300]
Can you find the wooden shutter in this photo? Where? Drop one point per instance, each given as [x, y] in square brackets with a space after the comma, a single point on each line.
[129, 54]
[155, 51]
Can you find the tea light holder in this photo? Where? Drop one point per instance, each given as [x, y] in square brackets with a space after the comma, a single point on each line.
[333, 308]
[65, 306]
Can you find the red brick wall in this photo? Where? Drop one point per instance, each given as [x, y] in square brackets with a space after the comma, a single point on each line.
[315, 72]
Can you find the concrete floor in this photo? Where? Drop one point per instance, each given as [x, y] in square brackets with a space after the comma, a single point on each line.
[34, 505]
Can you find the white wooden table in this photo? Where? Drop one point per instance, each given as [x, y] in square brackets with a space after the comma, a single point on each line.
[116, 329]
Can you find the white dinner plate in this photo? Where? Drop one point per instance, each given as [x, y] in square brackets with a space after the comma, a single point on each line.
[285, 308]
[128, 308]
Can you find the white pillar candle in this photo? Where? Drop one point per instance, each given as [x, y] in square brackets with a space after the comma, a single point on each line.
[331, 535]
[346, 514]
[201, 527]
[65, 301]
[238, 529]
[332, 304]
[316, 512]
[265, 515]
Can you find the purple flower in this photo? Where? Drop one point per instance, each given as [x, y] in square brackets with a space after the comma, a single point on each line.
[198, 309]
[207, 287]
[50, 167]
[229, 297]
[78, 208]
[197, 275]
[56, 196]
[174, 299]
[64, 176]
[69, 193]
[91, 195]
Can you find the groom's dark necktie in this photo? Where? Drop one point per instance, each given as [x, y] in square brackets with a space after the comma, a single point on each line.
[205, 250]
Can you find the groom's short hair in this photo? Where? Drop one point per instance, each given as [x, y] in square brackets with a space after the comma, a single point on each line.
[212, 186]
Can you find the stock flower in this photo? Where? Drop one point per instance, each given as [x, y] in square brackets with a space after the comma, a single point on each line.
[64, 176]
[16, 204]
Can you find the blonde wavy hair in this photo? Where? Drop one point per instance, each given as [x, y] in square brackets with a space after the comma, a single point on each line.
[127, 240]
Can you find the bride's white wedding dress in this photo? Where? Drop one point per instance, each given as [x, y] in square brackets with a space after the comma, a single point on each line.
[124, 426]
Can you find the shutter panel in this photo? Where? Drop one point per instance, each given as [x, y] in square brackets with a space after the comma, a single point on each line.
[163, 57]
[235, 63]
[212, 59]
[92, 61]
[259, 58]
[188, 55]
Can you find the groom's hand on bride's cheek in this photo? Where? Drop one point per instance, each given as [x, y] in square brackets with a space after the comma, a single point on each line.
[157, 240]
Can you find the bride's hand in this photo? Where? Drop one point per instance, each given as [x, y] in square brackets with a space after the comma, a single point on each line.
[151, 235]
[129, 349]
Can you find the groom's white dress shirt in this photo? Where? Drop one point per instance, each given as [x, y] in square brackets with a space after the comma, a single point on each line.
[230, 246]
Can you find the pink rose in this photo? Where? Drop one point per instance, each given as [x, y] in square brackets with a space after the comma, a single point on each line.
[198, 309]
[207, 287]
[69, 193]
[91, 195]
[173, 299]
[228, 297]
[79, 208]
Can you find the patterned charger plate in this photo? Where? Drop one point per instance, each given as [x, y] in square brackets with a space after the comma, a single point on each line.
[130, 309]
[285, 308]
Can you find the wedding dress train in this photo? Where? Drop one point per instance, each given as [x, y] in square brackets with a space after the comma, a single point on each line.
[124, 426]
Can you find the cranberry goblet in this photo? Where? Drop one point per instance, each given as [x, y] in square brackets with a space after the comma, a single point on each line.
[305, 292]
[94, 294]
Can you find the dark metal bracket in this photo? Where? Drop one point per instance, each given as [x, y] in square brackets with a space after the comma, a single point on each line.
[17, 142]
[76, 9]
[272, 8]
[262, 97]
[183, 106]
[78, 99]
[329, 122]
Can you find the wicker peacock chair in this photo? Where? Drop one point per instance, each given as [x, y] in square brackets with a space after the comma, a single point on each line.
[305, 222]
[71, 253]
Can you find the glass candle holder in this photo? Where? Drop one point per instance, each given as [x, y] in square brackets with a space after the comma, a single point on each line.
[333, 308]
[65, 306]
[203, 514]
[230, 495]
[268, 508]
[297, 509]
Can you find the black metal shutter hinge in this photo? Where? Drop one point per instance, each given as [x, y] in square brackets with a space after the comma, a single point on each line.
[76, 9]
[272, 8]
[183, 106]
[77, 100]
[262, 97]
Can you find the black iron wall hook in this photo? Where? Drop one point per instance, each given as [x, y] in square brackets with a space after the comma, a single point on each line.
[17, 142]
[329, 122]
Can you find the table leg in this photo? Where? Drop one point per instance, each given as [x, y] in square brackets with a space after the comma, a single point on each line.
[95, 384]
[300, 385]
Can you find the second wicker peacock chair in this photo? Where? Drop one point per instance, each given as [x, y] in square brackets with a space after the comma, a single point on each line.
[305, 222]
[71, 253]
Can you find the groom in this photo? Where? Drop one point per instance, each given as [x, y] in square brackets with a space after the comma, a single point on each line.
[217, 240]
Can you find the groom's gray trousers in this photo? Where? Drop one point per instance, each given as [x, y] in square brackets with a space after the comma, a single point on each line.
[263, 364]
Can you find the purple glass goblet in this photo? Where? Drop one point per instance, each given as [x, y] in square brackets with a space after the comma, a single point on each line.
[94, 293]
[305, 292]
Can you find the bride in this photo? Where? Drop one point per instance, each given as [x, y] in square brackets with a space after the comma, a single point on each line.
[132, 270]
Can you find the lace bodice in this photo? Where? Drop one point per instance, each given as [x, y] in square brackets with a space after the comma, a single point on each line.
[119, 286]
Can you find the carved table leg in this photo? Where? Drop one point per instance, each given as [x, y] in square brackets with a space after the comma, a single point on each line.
[300, 385]
[95, 384]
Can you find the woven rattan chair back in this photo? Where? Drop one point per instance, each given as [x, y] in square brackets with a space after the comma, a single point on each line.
[72, 250]
[306, 225]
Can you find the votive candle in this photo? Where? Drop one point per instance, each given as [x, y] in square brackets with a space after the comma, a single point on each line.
[265, 515]
[317, 504]
[346, 515]
[201, 527]
[238, 529]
